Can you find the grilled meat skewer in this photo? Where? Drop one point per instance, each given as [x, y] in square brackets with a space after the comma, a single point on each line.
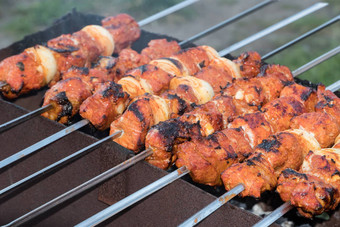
[217, 152]
[146, 78]
[38, 66]
[270, 158]
[315, 188]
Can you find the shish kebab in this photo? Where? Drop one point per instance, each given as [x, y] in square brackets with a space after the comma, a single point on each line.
[313, 189]
[43, 65]
[256, 36]
[134, 55]
[135, 197]
[240, 187]
[102, 177]
[309, 131]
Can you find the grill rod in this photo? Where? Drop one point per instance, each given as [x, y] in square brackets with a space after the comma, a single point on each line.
[205, 212]
[31, 149]
[78, 154]
[37, 112]
[137, 196]
[166, 12]
[103, 177]
[226, 22]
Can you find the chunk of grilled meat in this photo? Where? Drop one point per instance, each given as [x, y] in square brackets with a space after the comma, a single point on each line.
[129, 59]
[160, 48]
[274, 155]
[145, 79]
[30, 70]
[77, 49]
[328, 102]
[223, 107]
[250, 63]
[316, 187]
[108, 101]
[323, 127]
[65, 97]
[206, 158]
[124, 30]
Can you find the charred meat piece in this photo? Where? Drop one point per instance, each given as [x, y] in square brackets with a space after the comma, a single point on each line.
[108, 101]
[124, 30]
[145, 79]
[30, 70]
[160, 48]
[250, 63]
[322, 125]
[279, 112]
[316, 187]
[77, 49]
[208, 157]
[66, 97]
[328, 102]
[219, 73]
[260, 171]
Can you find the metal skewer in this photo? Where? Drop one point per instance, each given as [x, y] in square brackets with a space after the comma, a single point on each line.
[284, 208]
[135, 197]
[141, 23]
[81, 188]
[166, 12]
[274, 27]
[104, 176]
[70, 129]
[205, 212]
[226, 22]
[42, 143]
[24, 117]
[272, 217]
[305, 35]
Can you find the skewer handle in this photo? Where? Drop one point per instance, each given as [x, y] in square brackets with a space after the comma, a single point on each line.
[228, 21]
[316, 61]
[133, 198]
[212, 207]
[42, 143]
[25, 117]
[273, 28]
[271, 218]
[166, 12]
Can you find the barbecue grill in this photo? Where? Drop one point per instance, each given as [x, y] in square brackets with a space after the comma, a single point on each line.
[169, 207]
